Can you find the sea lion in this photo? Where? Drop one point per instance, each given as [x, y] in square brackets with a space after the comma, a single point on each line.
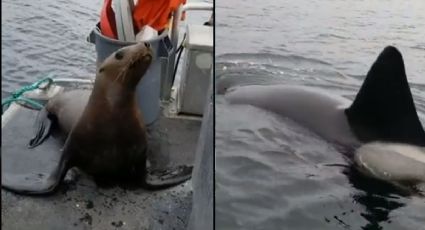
[106, 136]
[383, 110]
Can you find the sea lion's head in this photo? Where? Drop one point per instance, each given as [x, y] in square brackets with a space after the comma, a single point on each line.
[127, 65]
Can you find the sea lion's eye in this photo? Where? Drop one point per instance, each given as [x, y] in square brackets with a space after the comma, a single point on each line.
[101, 70]
[119, 55]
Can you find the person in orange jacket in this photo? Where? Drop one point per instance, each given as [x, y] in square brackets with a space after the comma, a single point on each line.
[155, 13]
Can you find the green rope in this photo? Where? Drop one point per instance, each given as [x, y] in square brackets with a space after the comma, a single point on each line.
[17, 95]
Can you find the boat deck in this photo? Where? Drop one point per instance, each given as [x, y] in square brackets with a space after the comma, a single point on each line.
[81, 204]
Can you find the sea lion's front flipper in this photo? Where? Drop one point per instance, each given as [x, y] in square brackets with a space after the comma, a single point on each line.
[383, 109]
[160, 179]
[29, 184]
[29, 171]
[37, 182]
[43, 128]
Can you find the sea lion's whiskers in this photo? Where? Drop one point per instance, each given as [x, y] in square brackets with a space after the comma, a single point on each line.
[120, 75]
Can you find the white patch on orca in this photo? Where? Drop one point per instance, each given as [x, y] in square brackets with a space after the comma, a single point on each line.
[392, 161]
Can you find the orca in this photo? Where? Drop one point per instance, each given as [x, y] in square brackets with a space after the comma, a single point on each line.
[383, 111]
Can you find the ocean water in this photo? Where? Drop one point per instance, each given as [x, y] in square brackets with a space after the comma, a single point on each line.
[271, 172]
[41, 37]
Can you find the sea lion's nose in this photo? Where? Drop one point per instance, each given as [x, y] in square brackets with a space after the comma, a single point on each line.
[147, 44]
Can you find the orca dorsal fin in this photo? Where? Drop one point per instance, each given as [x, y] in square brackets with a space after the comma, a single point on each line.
[383, 108]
